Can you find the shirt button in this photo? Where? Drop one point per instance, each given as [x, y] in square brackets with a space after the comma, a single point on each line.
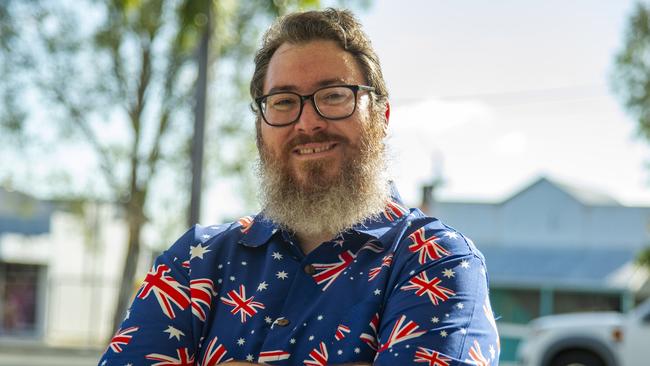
[309, 269]
[282, 322]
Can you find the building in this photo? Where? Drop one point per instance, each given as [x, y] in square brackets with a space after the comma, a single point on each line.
[60, 265]
[554, 248]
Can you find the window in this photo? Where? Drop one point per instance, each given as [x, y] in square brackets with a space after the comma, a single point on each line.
[19, 287]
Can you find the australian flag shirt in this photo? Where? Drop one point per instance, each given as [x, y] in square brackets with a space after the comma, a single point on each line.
[402, 289]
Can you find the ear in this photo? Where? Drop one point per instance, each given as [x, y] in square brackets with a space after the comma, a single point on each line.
[387, 113]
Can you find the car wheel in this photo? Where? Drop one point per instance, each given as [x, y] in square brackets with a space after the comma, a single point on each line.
[577, 358]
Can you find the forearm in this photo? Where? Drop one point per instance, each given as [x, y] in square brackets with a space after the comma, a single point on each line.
[244, 363]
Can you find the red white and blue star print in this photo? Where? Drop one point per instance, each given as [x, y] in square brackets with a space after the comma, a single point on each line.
[403, 289]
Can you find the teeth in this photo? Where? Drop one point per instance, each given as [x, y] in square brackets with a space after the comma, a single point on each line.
[314, 150]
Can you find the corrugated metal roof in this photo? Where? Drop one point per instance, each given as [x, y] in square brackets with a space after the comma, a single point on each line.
[560, 267]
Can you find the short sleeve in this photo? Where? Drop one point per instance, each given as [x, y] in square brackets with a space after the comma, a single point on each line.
[438, 310]
[158, 324]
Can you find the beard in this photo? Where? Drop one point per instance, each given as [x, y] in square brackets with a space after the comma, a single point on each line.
[319, 202]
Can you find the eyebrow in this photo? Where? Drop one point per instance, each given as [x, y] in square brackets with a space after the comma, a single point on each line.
[320, 84]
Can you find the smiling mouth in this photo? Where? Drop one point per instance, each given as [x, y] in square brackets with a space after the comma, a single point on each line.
[304, 150]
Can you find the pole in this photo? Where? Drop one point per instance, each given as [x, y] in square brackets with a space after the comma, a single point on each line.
[199, 121]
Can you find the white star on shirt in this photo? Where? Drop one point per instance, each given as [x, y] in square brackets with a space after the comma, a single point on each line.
[377, 291]
[412, 273]
[104, 363]
[282, 275]
[262, 286]
[319, 317]
[198, 251]
[339, 352]
[463, 330]
[220, 266]
[128, 314]
[492, 352]
[448, 272]
[451, 234]
[357, 350]
[241, 341]
[243, 263]
[277, 255]
[435, 320]
[311, 338]
[460, 305]
[464, 264]
[268, 319]
[292, 341]
[338, 242]
[232, 278]
[249, 358]
[443, 333]
[173, 332]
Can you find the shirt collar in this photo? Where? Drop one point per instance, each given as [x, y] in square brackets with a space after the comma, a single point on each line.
[261, 229]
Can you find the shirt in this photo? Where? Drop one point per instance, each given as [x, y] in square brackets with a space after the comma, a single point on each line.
[399, 289]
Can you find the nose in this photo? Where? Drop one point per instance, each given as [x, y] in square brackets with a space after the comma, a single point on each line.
[310, 121]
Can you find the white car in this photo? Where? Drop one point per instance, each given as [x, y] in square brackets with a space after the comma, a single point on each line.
[589, 339]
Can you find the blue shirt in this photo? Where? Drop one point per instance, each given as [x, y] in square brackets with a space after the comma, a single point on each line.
[398, 290]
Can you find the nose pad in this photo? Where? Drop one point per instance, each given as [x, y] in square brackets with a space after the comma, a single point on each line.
[310, 121]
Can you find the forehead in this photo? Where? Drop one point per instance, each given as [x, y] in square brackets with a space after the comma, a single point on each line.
[306, 66]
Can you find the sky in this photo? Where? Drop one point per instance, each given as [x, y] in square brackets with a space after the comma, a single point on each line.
[489, 96]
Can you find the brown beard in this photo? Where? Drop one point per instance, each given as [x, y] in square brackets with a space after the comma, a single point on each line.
[321, 204]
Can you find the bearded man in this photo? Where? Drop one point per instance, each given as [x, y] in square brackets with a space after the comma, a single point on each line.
[334, 270]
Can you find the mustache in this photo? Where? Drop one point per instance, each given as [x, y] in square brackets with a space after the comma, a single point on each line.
[318, 137]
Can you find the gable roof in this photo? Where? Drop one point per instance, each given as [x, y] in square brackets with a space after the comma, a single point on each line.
[584, 195]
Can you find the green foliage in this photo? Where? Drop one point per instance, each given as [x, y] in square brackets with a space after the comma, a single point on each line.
[631, 77]
[643, 258]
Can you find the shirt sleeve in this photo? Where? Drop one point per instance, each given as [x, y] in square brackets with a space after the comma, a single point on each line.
[438, 311]
[158, 324]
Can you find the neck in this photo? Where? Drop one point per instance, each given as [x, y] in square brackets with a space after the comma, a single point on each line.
[309, 242]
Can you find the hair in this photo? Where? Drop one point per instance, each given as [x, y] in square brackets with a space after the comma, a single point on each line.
[336, 25]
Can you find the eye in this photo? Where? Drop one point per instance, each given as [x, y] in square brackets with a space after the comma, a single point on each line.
[282, 102]
[333, 96]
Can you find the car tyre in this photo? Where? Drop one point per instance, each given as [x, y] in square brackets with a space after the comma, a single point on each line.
[577, 358]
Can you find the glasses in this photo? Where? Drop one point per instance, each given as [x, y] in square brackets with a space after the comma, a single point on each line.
[331, 102]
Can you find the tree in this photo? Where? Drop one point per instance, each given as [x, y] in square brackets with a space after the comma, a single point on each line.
[631, 80]
[118, 76]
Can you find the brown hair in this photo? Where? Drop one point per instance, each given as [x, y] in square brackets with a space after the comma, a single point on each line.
[337, 25]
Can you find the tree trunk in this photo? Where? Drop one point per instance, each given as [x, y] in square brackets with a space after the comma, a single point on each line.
[135, 218]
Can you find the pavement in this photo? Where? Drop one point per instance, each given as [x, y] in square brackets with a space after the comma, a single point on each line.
[41, 355]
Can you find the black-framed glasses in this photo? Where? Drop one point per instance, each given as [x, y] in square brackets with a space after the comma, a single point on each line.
[330, 102]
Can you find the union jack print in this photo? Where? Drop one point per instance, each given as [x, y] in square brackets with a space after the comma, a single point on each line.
[421, 284]
[487, 310]
[401, 332]
[427, 248]
[476, 356]
[214, 354]
[394, 211]
[270, 356]
[371, 338]
[186, 264]
[328, 272]
[317, 356]
[184, 358]
[385, 262]
[246, 222]
[201, 292]
[121, 338]
[245, 307]
[166, 290]
[373, 246]
[430, 356]
[340, 332]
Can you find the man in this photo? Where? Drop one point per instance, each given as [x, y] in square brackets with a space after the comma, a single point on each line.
[334, 270]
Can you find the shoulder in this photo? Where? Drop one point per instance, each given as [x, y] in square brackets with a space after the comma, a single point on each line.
[202, 236]
[430, 234]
